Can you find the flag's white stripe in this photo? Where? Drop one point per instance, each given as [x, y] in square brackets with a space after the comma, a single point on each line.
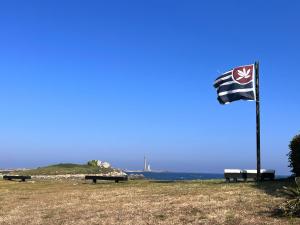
[228, 82]
[222, 78]
[254, 81]
[235, 91]
[248, 100]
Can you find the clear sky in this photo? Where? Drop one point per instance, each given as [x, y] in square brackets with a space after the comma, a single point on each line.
[114, 80]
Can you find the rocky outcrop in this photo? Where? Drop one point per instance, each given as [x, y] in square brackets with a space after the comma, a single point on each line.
[99, 163]
[136, 177]
[105, 165]
[77, 176]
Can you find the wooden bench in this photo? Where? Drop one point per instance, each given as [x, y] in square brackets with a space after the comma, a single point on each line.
[115, 178]
[234, 174]
[264, 174]
[16, 177]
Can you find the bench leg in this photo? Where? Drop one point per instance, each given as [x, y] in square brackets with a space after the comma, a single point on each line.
[23, 180]
[94, 181]
[227, 180]
[117, 181]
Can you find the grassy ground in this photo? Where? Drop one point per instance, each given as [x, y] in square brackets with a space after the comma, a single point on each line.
[140, 202]
[66, 168]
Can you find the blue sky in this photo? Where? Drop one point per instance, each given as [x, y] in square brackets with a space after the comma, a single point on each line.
[114, 80]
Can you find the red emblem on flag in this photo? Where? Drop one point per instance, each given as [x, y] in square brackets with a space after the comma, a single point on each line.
[243, 74]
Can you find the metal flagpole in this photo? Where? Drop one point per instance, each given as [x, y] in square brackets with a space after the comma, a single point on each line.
[257, 121]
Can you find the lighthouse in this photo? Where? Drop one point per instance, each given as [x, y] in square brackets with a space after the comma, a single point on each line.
[145, 163]
[147, 167]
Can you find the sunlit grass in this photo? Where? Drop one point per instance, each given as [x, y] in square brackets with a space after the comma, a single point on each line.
[140, 202]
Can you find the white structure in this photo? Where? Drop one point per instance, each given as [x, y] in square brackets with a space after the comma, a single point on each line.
[145, 163]
[105, 165]
[99, 163]
[147, 167]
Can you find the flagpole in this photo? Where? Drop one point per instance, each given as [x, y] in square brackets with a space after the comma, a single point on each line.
[257, 121]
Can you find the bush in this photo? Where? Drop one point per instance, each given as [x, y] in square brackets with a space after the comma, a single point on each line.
[292, 206]
[294, 155]
[93, 163]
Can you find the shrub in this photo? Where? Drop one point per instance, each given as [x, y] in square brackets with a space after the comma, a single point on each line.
[292, 206]
[93, 163]
[294, 155]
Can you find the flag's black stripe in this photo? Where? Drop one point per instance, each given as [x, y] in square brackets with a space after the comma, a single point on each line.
[234, 86]
[216, 85]
[224, 75]
[236, 96]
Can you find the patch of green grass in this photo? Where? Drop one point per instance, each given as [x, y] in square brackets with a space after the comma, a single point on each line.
[161, 216]
[195, 211]
[65, 168]
[231, 220]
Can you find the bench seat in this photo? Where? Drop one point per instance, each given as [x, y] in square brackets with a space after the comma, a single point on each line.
[264, 174]
[236, 174]
[115, 178]
[16, 177]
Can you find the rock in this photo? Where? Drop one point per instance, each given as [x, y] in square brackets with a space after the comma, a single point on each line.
[99, 163]
[59, 177]
[136, 177]
[105, 165]
[115, 173]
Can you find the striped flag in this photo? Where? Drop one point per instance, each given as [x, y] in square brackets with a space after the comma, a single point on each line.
[236, 84]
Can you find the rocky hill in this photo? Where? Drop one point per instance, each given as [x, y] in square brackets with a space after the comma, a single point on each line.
[71, 170]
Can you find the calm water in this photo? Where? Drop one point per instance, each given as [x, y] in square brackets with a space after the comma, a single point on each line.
[178, 176]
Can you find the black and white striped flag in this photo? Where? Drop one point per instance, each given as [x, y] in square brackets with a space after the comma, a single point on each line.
[236, 84]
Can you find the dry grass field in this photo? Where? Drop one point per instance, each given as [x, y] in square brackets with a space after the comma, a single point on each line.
[140, 202]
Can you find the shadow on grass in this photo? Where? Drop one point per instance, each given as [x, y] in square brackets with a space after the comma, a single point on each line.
[104, 183]
[274, 187]
[276, 212]
[271, 187]
[162, 181]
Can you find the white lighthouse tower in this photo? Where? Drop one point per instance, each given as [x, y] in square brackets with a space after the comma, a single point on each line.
[145, 163]
[147, 167]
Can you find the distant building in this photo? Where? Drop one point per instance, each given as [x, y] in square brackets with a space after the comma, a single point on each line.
[147, 167]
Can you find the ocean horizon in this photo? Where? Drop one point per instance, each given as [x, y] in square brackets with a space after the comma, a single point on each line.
[173, 176]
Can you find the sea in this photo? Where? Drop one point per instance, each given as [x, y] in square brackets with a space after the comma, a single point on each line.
[172, 176]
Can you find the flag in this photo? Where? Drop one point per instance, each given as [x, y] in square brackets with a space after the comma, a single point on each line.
[236, 84]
